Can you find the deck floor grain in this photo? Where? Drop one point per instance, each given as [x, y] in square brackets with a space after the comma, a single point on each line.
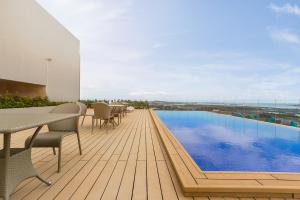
[128, 162]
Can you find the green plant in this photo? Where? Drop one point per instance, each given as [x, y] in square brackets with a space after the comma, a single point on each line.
[18, 101]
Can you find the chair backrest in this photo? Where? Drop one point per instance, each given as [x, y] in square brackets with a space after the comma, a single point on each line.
[101, 110]
[83, 108]
[115, 103]
[67, 124]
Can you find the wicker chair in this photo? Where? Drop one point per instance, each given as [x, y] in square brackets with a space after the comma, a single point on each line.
[59, 130]
[102, 111]
[83, 108]
[124, 109]
[117, 112]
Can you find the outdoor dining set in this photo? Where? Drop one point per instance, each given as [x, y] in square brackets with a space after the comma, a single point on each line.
[105, 112]
[16, 163]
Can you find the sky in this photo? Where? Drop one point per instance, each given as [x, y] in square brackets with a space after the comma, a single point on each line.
[185, 50]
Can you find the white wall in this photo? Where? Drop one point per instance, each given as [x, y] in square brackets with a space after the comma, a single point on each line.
[29, 35]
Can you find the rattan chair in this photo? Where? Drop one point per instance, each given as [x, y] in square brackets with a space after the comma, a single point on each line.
[124, 108]
[117, 112]
[102, 111]
[59, 130]
[83, 113]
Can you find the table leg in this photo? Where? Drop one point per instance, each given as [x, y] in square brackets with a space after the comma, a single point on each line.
[34, 136]
[6, 148]
[7, 139]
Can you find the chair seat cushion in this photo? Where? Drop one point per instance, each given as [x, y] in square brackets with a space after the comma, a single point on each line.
[48, 139]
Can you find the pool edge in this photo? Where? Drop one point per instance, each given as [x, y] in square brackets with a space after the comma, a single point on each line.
[195, 182]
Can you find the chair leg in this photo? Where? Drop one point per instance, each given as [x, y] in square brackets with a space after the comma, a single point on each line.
[105, 123]
[59, 159]
[82, 120]
[112, 121]
[79, 145]
[93, 124]
[43, 180]
[54, 152]
[6, 196]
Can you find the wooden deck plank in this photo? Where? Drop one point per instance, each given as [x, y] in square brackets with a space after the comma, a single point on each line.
[41, 188]
[120, 147]
[32, 183]
[117, 143]
[182, 171]
[156, 145]
[153, 182]
[172, 173]
[142, 145]
[140, 182]
[98, 149]
[59, 185]
[191, 165]
[149, 142]
[237, 176]
[100, 185]
[112, 188]
[216, 198]
[201, 198]
[130, 154]
[72, 186]
[49, 171]
[167, 187]
[136, 142]
[227, 182]
[126, 187]
[132, 140]
[291, 177]
[279, 182]
[261, 198]
[102, 180]
[88, 182]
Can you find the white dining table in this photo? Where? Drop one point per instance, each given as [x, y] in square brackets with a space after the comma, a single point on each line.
[15, 163]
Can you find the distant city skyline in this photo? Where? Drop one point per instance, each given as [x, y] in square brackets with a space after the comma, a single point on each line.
[177, 50]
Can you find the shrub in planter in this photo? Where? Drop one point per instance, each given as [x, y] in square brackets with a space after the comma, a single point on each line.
[18, 101]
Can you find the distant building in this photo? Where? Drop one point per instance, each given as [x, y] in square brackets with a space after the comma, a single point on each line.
[38, 56]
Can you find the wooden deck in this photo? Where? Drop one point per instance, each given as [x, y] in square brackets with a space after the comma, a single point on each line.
[128, 162]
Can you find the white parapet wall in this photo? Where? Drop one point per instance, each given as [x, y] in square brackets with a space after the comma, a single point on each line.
[35, 48]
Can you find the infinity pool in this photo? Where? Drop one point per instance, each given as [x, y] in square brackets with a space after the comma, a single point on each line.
[225, 143]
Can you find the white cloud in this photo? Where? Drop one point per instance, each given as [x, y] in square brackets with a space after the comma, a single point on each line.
[286, 8]
[285, 36]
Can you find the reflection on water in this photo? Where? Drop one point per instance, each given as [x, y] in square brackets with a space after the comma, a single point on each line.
[224, 143]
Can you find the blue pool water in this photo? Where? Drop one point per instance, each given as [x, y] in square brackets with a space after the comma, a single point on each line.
[225, 143]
